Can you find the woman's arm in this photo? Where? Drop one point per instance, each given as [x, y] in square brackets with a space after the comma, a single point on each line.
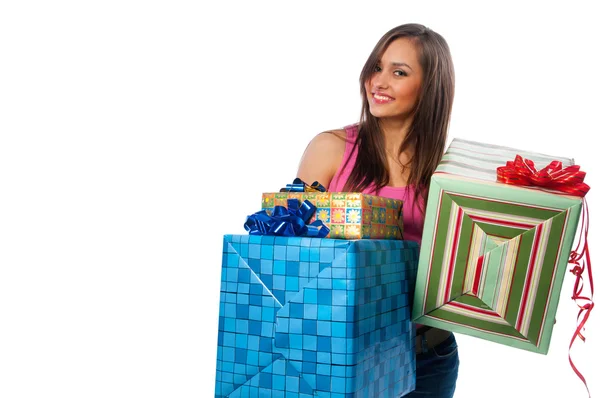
[322, 157]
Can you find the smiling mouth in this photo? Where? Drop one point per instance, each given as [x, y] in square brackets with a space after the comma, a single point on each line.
[382, 99]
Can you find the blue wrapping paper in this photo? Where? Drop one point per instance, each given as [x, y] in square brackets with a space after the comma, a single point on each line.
[304, 317]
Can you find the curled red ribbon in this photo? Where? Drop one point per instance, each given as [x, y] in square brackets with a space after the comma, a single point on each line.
[554, 176]
[581, 261]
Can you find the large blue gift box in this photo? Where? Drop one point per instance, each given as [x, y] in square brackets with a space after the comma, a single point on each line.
[304, 317]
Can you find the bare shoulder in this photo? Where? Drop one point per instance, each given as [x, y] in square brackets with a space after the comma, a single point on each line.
[323, 156]
[332, 140]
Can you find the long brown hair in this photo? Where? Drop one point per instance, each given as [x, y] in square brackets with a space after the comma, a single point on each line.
[427, 134]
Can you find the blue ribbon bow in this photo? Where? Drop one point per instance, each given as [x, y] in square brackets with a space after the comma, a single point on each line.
[300, 186]
[287, 222]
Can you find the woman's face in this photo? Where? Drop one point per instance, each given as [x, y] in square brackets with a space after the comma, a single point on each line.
[394, 87]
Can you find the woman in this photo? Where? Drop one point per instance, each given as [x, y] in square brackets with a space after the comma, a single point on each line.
[407, 88]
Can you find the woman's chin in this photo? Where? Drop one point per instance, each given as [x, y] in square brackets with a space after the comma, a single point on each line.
[385, 114]
[382, 115]
[379, 113]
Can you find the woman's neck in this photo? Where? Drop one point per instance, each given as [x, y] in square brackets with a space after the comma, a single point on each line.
[394, 131]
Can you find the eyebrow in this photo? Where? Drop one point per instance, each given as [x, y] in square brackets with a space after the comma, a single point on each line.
[397, 64]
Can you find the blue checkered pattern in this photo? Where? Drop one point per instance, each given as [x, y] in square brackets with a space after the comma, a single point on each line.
[305, 317]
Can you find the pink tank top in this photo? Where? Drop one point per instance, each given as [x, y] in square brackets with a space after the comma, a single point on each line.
[413, 217]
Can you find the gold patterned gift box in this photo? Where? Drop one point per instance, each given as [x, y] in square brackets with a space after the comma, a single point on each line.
[348, 215]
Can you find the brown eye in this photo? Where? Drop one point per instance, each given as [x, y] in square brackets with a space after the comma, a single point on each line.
[399, 73]
[377, 68]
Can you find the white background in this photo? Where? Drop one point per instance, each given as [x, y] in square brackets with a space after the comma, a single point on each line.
[135, 134]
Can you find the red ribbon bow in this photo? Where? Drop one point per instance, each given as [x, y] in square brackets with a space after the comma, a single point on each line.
[523, 172]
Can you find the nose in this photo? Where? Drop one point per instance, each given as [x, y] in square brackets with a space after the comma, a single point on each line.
[379, 81]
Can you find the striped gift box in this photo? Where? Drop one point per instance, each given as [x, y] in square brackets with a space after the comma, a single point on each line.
[307, 317]
[493, 256]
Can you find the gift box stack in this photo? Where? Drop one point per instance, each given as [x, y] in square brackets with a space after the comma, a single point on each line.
[302, 315]
[315, 300]
[496, 244]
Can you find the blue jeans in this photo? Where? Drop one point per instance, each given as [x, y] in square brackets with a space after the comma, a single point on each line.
[437, 371]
